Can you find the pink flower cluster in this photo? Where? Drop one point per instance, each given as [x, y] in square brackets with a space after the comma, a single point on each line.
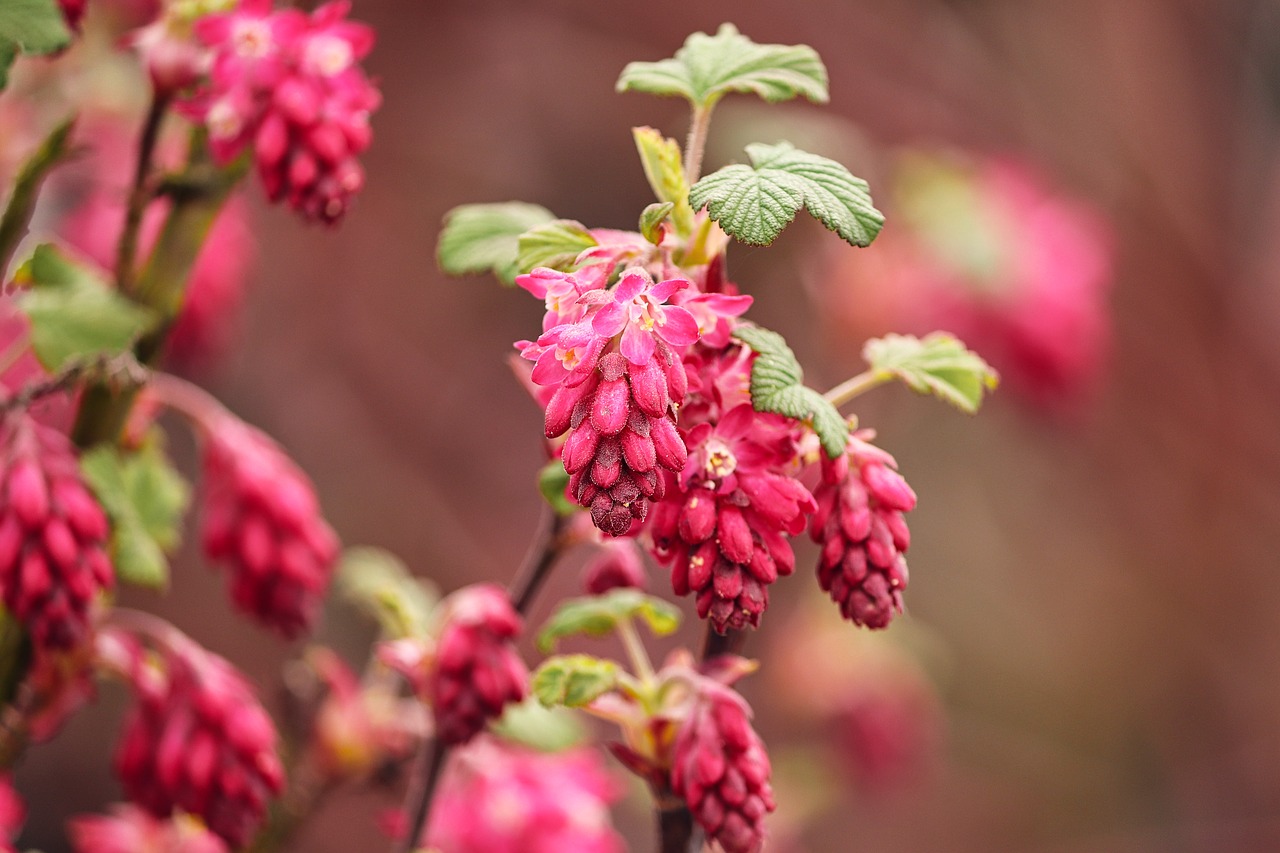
[721, 770]
[261, 516]
[863, 535]
[477, 671]
[197, 741]
[53, 535]
[502, 798]
[613, 357]
[290, 85]
[13, 813]
[129, 829]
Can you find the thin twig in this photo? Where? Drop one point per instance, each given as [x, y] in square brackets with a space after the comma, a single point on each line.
[427, 777]
[675, 825]
[856, 386]
[120, 369]
[537, 564]
[140, 193]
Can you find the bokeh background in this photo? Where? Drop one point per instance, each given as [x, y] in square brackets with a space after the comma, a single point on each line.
[1095, 596]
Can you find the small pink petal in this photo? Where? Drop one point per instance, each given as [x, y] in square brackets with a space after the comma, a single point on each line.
[631, 286]
[549, 370]
[736, 422]
[637, 346]
[609, 320]
[677, 326]
[662, 291]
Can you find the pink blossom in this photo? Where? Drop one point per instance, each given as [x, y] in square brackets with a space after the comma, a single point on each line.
[13, 813]
[290, 84]
[53, 536]
[638, 312]
[722, 771]
[477, 671]
[617, 563]
[262, 518]
[198, 740]
[860, 526]
[714, 313]
[129, 829]
[501, 798]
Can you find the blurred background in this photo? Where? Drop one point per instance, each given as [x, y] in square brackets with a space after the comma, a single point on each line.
[1091, 657]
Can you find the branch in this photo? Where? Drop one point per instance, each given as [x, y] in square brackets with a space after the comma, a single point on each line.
[121, 370]
[140, 194]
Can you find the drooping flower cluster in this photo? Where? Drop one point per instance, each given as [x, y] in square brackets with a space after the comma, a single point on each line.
[477, 670]
[863, 534]
[53, 535]
[262, 518]
[504, 798]
[724, 528]
[198, 741]
[129, 829]
[721, 770]
[290, 85]
[614, 358]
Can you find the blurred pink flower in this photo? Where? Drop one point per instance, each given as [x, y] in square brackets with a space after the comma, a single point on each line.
[129, 829]
[992, 253]
[500, 798]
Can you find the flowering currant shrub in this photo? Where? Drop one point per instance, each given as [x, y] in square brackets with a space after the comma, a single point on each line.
[684, 445]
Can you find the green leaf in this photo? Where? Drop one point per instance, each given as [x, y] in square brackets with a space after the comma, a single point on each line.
[709, 67]
[651, 219]
[145, 498]
[379, 583]
[483, 237]
[73, 313]
[26, 188]
[573, 680]
[754, 203]
[938, 364]
[664, 169]
[536, 726]
[554, 244]
[552, 482]
[777, 386]
[598, 615]
[32, 26]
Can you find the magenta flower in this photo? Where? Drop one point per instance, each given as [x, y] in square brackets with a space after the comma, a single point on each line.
[290, 84]
[53, 536]
[715, 314]
[638, 312]
[129, 829]
[860, 526]
[502, 798]
[721, 770]
[199, 741]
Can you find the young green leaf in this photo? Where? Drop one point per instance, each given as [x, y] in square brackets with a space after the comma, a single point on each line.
[777, 386]
[145, 498]
[552, 482]
[598, 615]
[664, 169]
[73, 313]
[532, 724]
[651, 219]
[32, 26]
[573, 680]
[26, 190]
[483, 237]
[937, 364]
[380, 584]
[754, 203]
[709, 67]
[553, 244]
